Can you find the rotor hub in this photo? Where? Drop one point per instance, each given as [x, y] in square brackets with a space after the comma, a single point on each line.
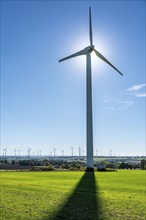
[91, 48]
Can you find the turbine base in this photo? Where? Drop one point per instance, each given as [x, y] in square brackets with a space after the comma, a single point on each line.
[89, 169]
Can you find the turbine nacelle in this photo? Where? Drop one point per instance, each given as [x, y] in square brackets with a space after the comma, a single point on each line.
[91, 48]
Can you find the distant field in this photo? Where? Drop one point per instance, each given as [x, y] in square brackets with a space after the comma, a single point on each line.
[73, 195]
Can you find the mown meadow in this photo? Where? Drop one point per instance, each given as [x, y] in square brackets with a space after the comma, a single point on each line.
[73, 195]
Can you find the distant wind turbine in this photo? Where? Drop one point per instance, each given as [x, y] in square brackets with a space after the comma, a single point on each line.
[54, 151]
[72, 150]
[87, 51]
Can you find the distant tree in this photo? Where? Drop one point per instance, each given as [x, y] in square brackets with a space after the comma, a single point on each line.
[130, 166]
[122, 165]
[136, 166]
[78, 166]
[63, 166]
[103, 162]
[31, 163]
[127, 166]
[143, 164]
[110, 165]
[38, 163]
[67, 165]
[13, 162]
[25, 163]
[45, 162]
[57, 166]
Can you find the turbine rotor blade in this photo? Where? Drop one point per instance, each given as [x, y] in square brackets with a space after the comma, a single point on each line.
[79, 53]
[90, 27]
[105, 60]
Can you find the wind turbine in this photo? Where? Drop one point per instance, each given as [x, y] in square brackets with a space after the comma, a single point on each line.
[89, 125]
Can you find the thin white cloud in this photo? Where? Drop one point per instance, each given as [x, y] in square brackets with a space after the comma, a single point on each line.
[136, 88]
[125, 99]
[140, 95]
[106, 100]
[117, 104]
[110, 108]
[126, 102]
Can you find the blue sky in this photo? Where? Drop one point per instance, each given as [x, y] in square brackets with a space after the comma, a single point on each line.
[43, 101]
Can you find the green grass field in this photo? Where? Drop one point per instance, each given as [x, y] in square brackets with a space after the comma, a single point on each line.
[73, 195]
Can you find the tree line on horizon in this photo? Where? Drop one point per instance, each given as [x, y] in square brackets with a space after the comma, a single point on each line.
[69, 165]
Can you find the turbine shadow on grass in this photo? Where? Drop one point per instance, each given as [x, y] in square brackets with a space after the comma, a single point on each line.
[84, 203]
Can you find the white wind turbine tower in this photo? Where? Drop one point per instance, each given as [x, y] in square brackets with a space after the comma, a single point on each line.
[87, 51]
